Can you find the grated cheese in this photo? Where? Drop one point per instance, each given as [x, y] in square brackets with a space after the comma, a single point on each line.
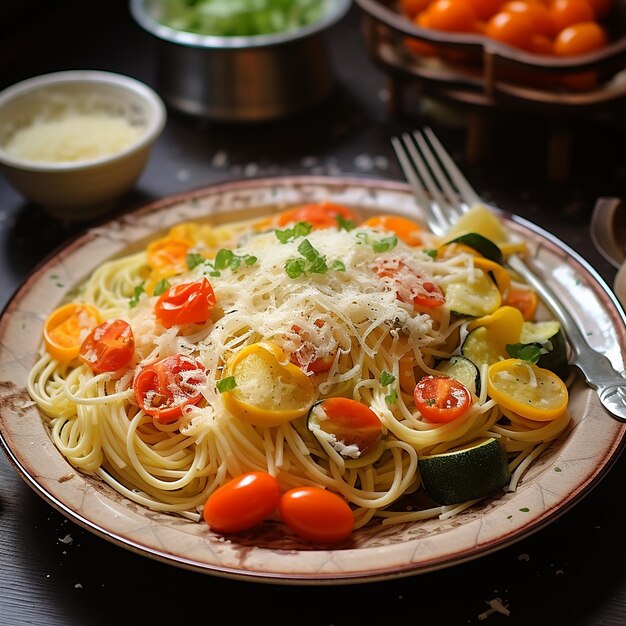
[76, 136]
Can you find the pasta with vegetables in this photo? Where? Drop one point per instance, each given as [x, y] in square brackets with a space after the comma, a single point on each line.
[310, 367]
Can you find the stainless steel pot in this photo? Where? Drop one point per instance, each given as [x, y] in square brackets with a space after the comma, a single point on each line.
[242, 78]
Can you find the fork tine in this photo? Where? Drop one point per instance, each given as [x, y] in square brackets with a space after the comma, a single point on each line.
[449, 197]
[466, 191]
[409, 173]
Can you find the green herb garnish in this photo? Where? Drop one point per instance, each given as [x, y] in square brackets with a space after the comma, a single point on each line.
[386, 378]
[526, 352]
[345, 224]
[161, 286]
[379, 245]
[300, 229]
[194, 259]
[226, 384]
[391, 397]
[134, 300]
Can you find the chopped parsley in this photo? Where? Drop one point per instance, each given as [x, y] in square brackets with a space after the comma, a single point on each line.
[300, 229]
[386, 378]
[227, 259]
[134, 300]
[194, 259]
[345, 224]
[311, 262]
[525, 509]
[432, 253]
[379, 245]
[162, 286]
[525, 351]
[226, 384]
[392, 397]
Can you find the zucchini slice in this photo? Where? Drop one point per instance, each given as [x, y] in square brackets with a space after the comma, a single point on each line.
[462, 369]
[549, 336]
[474, 298]
[468, 474]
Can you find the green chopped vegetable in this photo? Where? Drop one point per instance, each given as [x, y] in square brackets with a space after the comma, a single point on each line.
[226, 384]
[162, 286]
[240, 18]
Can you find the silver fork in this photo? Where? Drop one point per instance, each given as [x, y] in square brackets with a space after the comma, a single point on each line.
[445, 194]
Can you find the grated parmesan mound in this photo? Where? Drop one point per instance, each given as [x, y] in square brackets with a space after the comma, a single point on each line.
[77, 136]
[340, 313]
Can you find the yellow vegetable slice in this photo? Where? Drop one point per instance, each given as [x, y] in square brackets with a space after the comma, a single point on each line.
[269, 389]
[505, 324]
[480, 219]
[474, 297]
[67, 327]
[530, 391]
[499, 273]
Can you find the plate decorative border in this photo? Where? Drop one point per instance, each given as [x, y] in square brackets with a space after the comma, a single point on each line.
[567, 471]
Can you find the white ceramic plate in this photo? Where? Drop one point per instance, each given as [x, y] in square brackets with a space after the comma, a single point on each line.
[565, 473]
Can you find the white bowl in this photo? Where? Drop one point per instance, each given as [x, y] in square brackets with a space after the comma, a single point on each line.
[79, 190]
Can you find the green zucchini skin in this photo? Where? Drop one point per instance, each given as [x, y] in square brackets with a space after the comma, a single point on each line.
[462, 369]
[468, 474]
[482, 245]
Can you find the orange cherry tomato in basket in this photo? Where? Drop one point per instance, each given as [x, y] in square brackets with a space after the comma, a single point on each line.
[66, 328]
[455, 16]
[242, 503]
[164, 388]
[580, 39]
[351, 422]
[514, 29]
[412, 286]
[319, 215]
[568, 12]
[484, 9]
[108, 347]
[601, 8]
[316, 514]
[441, 399]
[187, 303]
[538, 12]
[405, 229]
[412, 7]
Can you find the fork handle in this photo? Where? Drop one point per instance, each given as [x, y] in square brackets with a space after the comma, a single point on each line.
[596, 367]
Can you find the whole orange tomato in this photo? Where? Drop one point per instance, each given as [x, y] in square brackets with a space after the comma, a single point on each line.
[579, 39]
[514, 29]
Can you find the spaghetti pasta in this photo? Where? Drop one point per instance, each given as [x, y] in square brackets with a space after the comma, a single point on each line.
[322, 311]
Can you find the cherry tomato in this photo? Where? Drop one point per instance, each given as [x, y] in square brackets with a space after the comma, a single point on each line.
[579, 39]
[320, 215]
[316, 514]
[66, 328]
[164, 388]
[538, 13]
[412, 7]
[108, 347]
[568, 12]
[242, 503]
[601, 8]
[407, 230]
[168, 253]
[351, 422]
[523, 300]
[484, 9]
[456, 16]
[412, 287]
[307, 352]
[187, 303]
[441, 399]
[513, 29]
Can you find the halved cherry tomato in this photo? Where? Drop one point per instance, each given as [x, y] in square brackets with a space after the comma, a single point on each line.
[164, 388]
[523, 300]
[441, 399]
[66, 328]
[351, 422]
[306, 353]
[242, 503]
[187, 303]
[316, 514]
[108, 347]
[407, 230]
[412, 286]
[320, 215]
[168, 253]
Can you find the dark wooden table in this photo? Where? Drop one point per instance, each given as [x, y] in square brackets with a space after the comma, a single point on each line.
[570, 573]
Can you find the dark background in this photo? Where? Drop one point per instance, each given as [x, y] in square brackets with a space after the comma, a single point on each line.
[570, 573]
